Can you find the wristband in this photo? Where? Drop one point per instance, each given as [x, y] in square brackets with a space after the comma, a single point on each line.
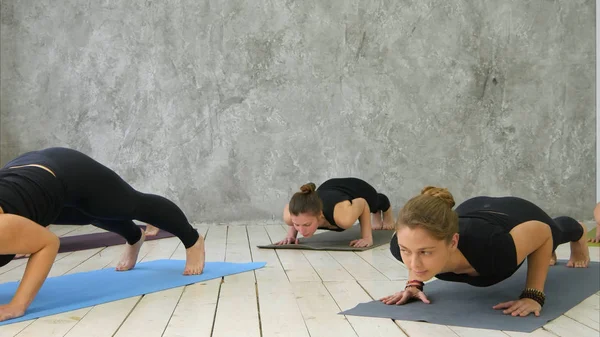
[415, 284]
[534, 294]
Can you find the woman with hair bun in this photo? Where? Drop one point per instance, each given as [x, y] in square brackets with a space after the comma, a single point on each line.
[483, 242]
[336, 205]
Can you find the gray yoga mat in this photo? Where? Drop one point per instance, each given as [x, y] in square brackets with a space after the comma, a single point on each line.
[337, 240]
[459, 304]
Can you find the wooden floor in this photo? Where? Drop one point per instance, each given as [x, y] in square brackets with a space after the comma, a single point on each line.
[298, 293]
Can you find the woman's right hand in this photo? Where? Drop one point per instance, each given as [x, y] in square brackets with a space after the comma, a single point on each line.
[287, 241]
[8, 311]
[404, 296]
[597, 238]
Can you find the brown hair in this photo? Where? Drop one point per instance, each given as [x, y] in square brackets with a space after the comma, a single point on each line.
[432, 211]
[306, 201]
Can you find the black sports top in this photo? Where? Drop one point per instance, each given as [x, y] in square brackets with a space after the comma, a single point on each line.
[336, 190]
[30, 192]
[485, 241]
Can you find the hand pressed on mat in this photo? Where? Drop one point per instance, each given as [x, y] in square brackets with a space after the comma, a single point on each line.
[8, 311]
[403, 297]
[287, 241]
[361, 243]
[522, 307]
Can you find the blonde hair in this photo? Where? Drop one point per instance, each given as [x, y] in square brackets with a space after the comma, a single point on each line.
[432, 211]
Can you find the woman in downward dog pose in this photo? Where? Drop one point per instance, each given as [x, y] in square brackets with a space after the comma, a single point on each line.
[336, 205]
[63, 186]
[482, 243]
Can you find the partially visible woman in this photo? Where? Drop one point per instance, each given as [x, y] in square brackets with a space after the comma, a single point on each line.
[596, 239]
[336, 205]
[482, 243]
[64, 186]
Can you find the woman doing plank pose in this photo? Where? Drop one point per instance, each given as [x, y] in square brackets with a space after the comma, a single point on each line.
[64, 186]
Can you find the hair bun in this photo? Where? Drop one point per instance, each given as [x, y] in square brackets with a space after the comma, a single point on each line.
[308, 188]
[441, 193]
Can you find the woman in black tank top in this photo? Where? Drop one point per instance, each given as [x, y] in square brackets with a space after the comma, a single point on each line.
[336, 205]
[483, 242]
[64, 186]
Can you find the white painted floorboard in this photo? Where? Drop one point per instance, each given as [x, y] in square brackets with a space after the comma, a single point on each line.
[297, 294]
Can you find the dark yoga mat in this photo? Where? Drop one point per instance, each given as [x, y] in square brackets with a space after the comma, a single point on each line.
[96, 240]
[459, 304]
[336, 240]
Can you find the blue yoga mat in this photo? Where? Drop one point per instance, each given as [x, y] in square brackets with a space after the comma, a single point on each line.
[75, 291]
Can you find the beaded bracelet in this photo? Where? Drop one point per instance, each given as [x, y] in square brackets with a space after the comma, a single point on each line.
[416, 284]
[534, 294]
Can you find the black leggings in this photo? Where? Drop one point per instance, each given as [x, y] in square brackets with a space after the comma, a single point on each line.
[97, 195]
[564, 229]
[383, 203]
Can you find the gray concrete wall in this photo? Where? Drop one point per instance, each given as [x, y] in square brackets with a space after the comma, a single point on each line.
[227, 107]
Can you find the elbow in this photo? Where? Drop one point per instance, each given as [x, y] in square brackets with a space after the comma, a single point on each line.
[538, 230]
[53, 244]
[287, 219]
[547, 232]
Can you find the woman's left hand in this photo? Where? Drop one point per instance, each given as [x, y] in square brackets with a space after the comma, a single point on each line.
[522, 307]
[360, 243]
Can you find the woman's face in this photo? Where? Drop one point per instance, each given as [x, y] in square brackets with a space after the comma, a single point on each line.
[423, 254]
[306, 224]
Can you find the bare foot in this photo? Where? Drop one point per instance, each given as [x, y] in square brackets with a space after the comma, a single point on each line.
[130, 255]
[553, 259]
[151, 230]
[194, 258]
[376, 223]
[580, 254]
[388, 219]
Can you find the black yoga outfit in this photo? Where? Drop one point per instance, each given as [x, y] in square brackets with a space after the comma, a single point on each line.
[337, 190]
[84, 192]
[484, 226]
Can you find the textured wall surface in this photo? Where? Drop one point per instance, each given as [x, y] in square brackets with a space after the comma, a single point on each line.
[227, 107]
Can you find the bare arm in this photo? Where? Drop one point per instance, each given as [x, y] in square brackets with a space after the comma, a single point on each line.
[19, 235]
[533, 240]
[292, 233]
[346, 214]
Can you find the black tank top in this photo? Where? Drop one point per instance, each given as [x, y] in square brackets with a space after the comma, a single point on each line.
[336, 190]
[31, 192]
[486, 243]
